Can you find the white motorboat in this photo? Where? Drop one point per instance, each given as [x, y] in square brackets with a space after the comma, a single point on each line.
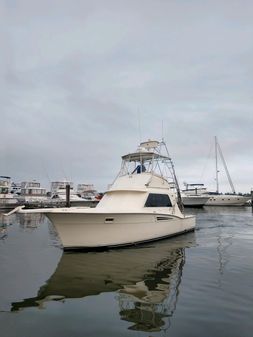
[195, 201]
[7, 199]
[58, 191]
[31, 192]
[142, 204]
[59, 195]
[87, 191]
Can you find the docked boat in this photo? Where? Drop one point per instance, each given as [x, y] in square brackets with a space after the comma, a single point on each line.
[7, 199]
[87, 191]
[142, 204]
[196, 201]
[216, 198]
[228, 199]
[32, 193]
[59, 194]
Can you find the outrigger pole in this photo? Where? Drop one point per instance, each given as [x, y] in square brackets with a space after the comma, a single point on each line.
[179, 198]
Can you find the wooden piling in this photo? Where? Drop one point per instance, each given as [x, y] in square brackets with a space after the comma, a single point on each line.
[67, 195]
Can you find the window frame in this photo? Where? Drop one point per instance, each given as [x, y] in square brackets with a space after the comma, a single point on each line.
[151, 200]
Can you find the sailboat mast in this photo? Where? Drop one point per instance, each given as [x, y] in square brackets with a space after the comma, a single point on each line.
[216, 166]
[226, 169]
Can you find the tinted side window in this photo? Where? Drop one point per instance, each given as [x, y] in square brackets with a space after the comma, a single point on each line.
[158, 200]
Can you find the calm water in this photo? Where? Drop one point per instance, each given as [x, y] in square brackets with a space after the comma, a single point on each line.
[198, 284]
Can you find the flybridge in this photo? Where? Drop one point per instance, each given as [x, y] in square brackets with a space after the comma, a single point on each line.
[150, 157]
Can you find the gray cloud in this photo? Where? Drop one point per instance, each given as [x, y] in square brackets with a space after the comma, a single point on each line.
[77, 79]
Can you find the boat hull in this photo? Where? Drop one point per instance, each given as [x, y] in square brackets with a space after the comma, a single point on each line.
[78, 231]
[8, 203]
[227, 200]
[194, 201]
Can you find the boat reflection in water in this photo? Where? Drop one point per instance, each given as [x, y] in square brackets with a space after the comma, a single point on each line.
[30, 221]
[148, 302]
[24, 221]
[146, 280]
[3, 226]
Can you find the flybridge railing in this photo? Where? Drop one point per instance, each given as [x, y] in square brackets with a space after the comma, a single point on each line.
[172, 168]
[155, 162]
[154, 166]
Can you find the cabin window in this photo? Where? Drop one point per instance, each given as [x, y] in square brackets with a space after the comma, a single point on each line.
[158, 200]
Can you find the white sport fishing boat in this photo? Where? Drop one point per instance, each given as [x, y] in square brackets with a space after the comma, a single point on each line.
[142, 204]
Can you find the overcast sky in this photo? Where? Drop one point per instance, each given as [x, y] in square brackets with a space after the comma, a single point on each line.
[83, 81]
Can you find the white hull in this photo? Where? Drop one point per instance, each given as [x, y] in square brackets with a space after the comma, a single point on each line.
[90, 230]
[227, 200]
[194, 201]
[8, 202]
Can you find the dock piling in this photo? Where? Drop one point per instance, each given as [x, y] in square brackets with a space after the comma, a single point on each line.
[67, 195]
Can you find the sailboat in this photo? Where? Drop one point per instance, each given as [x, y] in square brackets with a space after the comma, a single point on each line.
[216, 198]
[228, 199]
